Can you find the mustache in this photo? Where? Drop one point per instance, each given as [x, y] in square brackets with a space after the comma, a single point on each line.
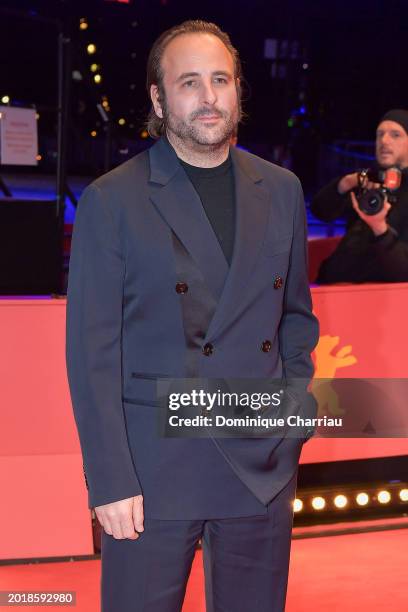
[202, 112]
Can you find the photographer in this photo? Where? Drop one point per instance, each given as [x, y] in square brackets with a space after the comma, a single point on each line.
[375, 246]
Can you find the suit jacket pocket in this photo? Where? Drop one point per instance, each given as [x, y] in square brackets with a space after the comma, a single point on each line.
[148, 375]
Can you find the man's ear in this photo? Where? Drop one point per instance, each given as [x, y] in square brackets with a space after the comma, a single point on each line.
[155, 97]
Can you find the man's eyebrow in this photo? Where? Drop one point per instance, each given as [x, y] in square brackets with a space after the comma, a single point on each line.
[186, 75]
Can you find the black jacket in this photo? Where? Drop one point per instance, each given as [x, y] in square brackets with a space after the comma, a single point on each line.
[141, 239]
[361, 256]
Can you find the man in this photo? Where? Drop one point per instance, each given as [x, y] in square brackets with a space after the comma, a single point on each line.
[375, 247]
[162, 285]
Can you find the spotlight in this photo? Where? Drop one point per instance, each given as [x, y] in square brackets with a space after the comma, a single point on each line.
[340, 501]
[83, 24]
[94, 67]
[403, 495]
[362, 499]
[37, 115]
[5, 99]
[38, 157]
[94, 133]
[122, 121]
[144, 134]
[297, 505]
[318, 503]
[97, 78]
[384, 497]
[91, 48]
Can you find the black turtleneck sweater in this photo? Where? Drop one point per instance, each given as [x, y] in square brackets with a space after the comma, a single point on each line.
[215, 186]
[361, 256]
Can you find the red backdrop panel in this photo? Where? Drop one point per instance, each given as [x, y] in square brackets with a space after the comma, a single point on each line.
[41, 479]
[369, 323]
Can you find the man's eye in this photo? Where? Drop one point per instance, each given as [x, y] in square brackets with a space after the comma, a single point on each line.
[189, 83]
[220, 80]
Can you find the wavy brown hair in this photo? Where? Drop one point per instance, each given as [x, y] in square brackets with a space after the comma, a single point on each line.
[155, 125]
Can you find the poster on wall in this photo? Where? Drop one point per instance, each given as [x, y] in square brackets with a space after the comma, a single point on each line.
[18, 136]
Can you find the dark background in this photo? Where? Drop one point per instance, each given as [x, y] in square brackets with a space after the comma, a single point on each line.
[355, 51]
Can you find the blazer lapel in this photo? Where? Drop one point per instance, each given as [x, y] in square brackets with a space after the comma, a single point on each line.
[179, 204]
[252, 211]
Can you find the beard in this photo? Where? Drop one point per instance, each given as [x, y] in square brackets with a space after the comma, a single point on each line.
[202, 135]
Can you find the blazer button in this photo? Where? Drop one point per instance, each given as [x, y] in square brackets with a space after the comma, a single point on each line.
[181, 287]
[208, 349]
[266, 346]
[278, 283]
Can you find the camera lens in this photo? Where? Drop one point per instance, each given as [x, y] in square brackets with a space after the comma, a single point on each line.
[371, 202]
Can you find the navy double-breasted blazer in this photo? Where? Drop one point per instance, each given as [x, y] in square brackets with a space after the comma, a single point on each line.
[150, 294]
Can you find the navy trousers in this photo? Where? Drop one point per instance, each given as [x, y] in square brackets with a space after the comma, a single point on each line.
[246, 562]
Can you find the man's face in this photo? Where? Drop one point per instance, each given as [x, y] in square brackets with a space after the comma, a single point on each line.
[391, 145]
[201, 100]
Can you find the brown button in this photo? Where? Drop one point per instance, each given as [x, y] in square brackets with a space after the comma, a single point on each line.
[208, 349]
[278, 283]
[266, 346]
[181, 287]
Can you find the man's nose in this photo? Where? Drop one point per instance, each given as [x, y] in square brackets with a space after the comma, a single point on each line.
[209, 94]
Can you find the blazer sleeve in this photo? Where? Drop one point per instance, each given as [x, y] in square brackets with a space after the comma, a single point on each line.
[93, 350]
[299, 328]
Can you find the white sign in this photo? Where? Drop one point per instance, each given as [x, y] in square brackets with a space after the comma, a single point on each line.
[18, 136]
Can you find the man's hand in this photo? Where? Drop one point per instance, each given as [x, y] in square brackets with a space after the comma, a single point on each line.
[347, 183]
[377, 223]
[122, 519]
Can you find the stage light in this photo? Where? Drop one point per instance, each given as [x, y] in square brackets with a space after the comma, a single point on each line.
[37, 115]
[297, 505]
[144, 134]
[384, 497]
[94, 67]
[5, 99]
[340, 501]
[91, 48]
[122, 121]
[305, 66]
[403, 495]
[38, 157]
[94, 133]
[362, 499]
[97, 78]
[83, 24]
[318, 503]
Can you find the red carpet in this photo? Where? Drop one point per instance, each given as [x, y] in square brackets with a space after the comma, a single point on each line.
[362, 572]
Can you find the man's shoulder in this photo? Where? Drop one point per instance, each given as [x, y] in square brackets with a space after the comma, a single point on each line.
[268, 170]
[124, 176]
